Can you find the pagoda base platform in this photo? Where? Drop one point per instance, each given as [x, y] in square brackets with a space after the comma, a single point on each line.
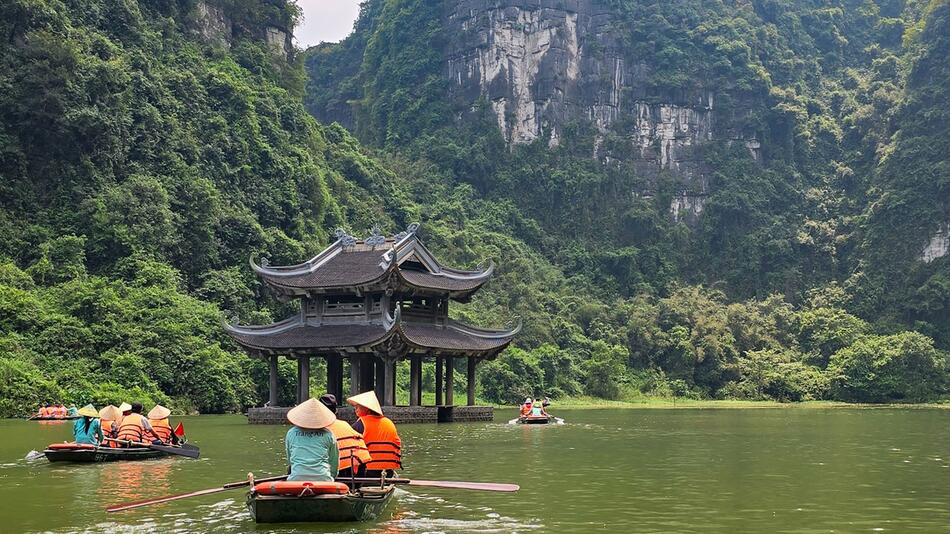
[277, 415]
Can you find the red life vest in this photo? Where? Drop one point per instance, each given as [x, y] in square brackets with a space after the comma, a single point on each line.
[382, 441]
[132, 428]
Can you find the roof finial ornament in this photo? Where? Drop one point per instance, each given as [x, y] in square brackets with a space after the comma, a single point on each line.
[411, 229]
[265, 262]
[345, 239]
[233, 319]
[376, 237]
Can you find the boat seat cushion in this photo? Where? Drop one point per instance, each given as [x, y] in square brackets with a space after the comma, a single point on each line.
[301, 488]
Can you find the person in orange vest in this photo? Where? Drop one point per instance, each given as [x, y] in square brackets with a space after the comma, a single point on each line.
[379, 433]
[110, 429]
[526, 407]
[44, 411]
[161, 428]
[353, 452]
[135, 427]
[59, 410]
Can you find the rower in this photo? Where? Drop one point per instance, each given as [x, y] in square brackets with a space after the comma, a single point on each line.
[87, 429]
[537, 410]
[353, 452]
[161, 428]
[134, 427]
[72, 411]
[312, 453]
[380, 435]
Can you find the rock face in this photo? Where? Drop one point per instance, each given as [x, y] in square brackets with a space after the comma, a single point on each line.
[542, 64]
[214, 25]
[938, 246]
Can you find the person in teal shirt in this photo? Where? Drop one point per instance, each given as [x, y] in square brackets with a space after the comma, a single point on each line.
[87, 428]
[311, 447]
[72, 411]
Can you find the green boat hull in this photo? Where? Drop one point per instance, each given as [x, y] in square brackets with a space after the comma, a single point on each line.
[102, 454]
[366, 505]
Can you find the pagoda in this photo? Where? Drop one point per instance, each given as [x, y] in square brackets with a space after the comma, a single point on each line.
[365, 304]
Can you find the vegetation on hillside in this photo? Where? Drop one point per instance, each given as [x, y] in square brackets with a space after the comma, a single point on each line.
[142, 164]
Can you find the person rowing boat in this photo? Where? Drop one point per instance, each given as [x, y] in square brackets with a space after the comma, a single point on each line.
[87, 430]
[312, 452]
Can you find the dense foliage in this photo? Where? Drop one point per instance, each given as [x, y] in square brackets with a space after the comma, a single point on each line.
[848, 98]
[144, 158]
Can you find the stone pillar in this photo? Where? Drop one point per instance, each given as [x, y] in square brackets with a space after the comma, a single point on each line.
[381, 382]
[438, 380]
[389, 374]
[272, 366]
[335, 376]
[367, 372]
[415, 380]
[354, 377]
[303, 378]
[449, 381]
[471, 381]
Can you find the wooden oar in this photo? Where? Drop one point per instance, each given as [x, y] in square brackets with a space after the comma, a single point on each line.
[169, 498]
[451, 484]
[189, 452]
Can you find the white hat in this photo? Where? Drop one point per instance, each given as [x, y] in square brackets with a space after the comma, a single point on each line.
[125, 407]
[159, 412]
[311, 414]
[367, 400]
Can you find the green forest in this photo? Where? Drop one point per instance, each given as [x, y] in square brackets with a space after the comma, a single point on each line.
[143, 160]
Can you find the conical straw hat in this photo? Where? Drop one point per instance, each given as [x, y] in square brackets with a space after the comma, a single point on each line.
[367, 400]
[311, 414]
[89, 411]
[124, 407]
[159, 412]
[110, 413]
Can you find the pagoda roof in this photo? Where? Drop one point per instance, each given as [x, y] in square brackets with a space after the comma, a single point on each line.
[298, 335]
[400, 263]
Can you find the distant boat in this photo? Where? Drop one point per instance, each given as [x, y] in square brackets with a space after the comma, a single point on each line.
[85, 453]
[303, 502]
[535, 419]
[50, 418]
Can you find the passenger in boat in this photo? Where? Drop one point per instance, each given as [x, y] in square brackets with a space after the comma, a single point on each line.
[379, 433]
[45, 411]
[312, 453]
[59, 410]
[526, 407]
[110, 429]
[537, 410]
[134, 427]
[353, 452]
[161, 428]
[87, 428]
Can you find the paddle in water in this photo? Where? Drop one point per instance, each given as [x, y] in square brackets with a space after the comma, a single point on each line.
[189, 452]
[209, 491]
[450, 484]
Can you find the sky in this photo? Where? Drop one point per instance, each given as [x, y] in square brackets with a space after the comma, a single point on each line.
[325, 20]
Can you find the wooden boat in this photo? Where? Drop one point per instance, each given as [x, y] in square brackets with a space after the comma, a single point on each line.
[361, 504]
[81, 453]
[47, 418]
[535, 419]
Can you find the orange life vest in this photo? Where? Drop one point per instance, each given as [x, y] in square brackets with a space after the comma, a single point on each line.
[349, 442]
[108, 432]
[161, 429]
[383, 442]
[44, 412]
[132, 428]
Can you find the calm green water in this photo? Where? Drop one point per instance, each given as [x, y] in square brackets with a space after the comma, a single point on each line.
[684, 470]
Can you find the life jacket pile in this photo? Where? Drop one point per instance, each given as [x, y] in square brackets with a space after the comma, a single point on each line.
[383, 442]
[351, 445]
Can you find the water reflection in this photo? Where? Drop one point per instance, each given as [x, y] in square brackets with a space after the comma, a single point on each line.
[131, 481]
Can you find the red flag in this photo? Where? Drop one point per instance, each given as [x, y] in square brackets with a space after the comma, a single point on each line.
[180, 430]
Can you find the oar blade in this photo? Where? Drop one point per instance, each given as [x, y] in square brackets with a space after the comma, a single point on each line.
[457, 484]
[188, 452]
